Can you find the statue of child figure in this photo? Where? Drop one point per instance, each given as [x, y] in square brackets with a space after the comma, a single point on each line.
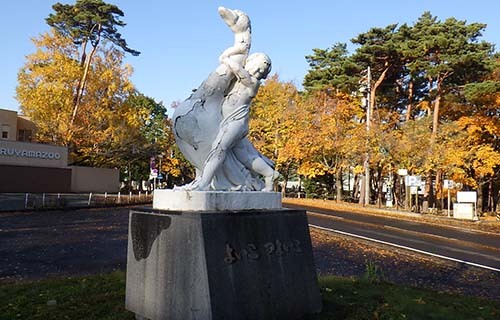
[239, 23]
[236, 106]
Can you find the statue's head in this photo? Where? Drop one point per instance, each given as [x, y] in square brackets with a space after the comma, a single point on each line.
[258, 65]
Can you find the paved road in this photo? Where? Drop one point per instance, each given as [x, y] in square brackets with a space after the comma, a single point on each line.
[12, 201]
[85, 241]
[62, 243]
[471, 246]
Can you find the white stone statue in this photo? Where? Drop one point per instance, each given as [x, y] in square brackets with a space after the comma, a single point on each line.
[212, 124]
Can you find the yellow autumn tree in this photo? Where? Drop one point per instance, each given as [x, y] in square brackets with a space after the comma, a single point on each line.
[411, 146]
[45, 93]
[115, 126]
[272, 120]
[326, 138]
[474, 158]
[45, 86]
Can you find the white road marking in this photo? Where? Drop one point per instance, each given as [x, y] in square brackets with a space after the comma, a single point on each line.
[405, 247]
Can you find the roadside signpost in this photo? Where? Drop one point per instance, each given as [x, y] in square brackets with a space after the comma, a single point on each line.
[449, 184]
[413, 184]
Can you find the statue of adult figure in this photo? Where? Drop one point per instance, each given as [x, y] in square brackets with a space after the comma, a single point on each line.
[234, 126]
[211, 125]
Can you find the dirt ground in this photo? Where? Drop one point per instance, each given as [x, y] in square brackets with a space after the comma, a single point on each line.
[348, 257]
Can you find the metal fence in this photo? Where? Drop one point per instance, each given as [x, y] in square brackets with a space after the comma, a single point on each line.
[31, 201]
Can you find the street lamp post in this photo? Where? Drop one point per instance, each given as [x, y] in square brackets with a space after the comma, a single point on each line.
[368, 120]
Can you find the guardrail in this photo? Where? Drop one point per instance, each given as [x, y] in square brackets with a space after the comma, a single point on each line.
[33, 201]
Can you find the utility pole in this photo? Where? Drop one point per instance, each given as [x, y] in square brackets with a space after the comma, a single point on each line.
[368, 120]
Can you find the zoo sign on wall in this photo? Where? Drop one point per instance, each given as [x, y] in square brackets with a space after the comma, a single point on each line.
[32, 154]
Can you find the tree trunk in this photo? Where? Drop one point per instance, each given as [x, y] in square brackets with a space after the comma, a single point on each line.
[428, 201]
[86, 60]
[300, 187]
[377, 84]
[489, 205]
[435, 119]
[362, 190]
[81, 85]
[410, 101]
[439, 189]
[496, 196]
[429, 192]
[397, 190]
[495, 201]
[479, 205]
[379, 186]
[285, 175]
[366, 188]
[357, 189]
[338, 184]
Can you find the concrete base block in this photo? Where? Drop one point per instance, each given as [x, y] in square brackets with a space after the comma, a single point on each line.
[182, 200]
[221, 265]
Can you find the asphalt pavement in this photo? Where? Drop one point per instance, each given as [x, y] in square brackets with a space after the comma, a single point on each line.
[58, 243]
[470, 246]
[40, 244]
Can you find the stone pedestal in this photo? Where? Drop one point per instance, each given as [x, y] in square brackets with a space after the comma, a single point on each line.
[248, 264]
[182, 200]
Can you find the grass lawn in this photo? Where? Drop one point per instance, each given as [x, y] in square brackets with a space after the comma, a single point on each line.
[103, 297]
[345, 298]
[93, 297]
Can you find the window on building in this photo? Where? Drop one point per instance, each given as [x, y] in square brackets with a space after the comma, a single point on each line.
[25, 135]
[5, 131]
